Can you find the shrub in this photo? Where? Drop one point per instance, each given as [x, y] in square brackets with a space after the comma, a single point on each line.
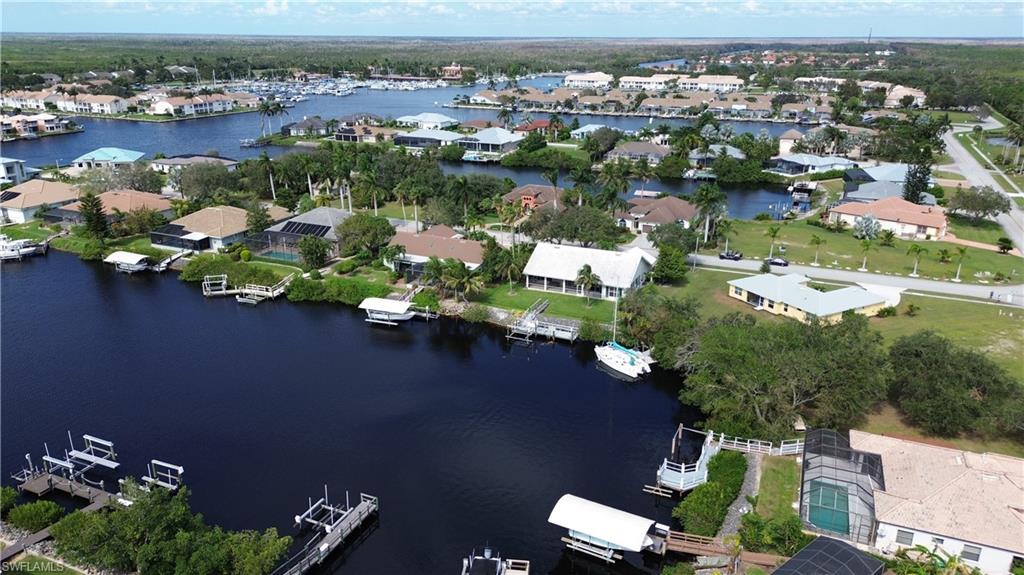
[704, 509]
[888, 311]
[763, 217]
[452, 153]
[829, 175]
[765, 268]
[245, 255]
[349, 291]
[427, 298]
[92, 250]
[781, 535]
[678, 569]
[315, 275]
[476, 313]
[8, 495]
[590, 330]
[346, 266]
[35, 516]
[912, 310]
[238, 273]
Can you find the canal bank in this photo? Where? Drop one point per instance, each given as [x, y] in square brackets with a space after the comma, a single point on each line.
[465, 438]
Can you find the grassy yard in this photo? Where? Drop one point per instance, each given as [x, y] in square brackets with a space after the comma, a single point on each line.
[780, 487]
[955, 116]
[709, 288]
[28, 231]
[947, 175]
[843, 251]
[279, 269]
[35, 564]
[559, 305]
[966, 228]
[886, 420]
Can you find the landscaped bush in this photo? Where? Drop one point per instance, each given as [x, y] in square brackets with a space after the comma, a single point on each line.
[829, 175]
[427, 298]
[888, 311]
[349, 291]
[704, 509]
[763, 217]
[35, 516]
[238, 273]
[476, 313]
[346, 266]
[92, 250]
[8, 495]
[245, 255]
[784, 535]
[590, 330]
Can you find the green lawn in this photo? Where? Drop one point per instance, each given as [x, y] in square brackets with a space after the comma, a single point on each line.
[1019, 201]
[886, 420]
[966, 228]
[843, 251]
[35, 564]
[281, 269]
[27, 231]
[780, 487]
[955, 116]
[559, 305]
[708, 287]
[946, 175]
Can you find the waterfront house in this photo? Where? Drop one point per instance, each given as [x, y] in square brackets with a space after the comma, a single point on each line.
[107, 158]
[710, 83]
[419, 248]
[426, 138]
[27, 99]
[477, 125]
[554, 268]
[281, 240]
[584, 131]
[487, 98]
[540, 126]
[634, 151]
[491, 141]
[21, 125]
[655, 83]
[790, 296]
[92, 104]
[964, 503]
[20, 203]
[365, 134]
[360, 119]
[787, 140]
[592, 80]
[703, 158]
[646, 214]
[243, 99]
[176, 163]
[307, 126]
[535, 196]
[427, 121]
[191, 106]
[210, 228]
[906, 219]
[794, 164]
[867, 184]
[690, 103]
[13, 171]
[538, 100]
[114, 202]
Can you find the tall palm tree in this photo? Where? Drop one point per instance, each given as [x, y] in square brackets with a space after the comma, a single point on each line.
[461, 279]
[725, 228]
[587, 280]
[505, 116]
[402, 194]
[551, 175]
[581, 176]
[917, 251]
[710, 201]
[866, 246]
[772, 232]
[510, 264]
[643, 170]
[461, 192]
[816, 241]
[369, 181]
[433, 273]
[265, 111]
[614, 180]
[961, 252]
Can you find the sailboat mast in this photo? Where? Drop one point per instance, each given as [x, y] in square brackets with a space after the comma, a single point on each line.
[615, 319]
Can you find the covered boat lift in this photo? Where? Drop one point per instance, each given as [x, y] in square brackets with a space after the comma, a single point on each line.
[390, 311]
[603, 531]
[128, 262]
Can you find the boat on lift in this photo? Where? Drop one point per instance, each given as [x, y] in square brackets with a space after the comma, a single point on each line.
[17, 249]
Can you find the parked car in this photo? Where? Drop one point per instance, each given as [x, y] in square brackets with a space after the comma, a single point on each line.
[777, 261]
[730, 255]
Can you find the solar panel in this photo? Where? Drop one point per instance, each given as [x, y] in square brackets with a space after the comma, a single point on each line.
[304, 229]
[8, 196]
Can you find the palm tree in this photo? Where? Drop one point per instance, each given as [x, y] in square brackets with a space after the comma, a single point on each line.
[390, 253]
[642, 169]
[322, 200]
[433, 273]
[461, 279]
[265, 111]
[509, 214]
[710, 201]
[505, 116]
[865, 247]
[614, 181]
[402, 194]
[773, 233]
[551, 175]
[509, 265]
[368, 181]
[917, 251]
[587, 280]
[961, 256]
[725, 228]
[816, 241]
[461, 192]
[945, 256]
[581, 176]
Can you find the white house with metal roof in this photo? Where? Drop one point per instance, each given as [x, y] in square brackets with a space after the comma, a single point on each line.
[554, 268]
[107, 158]
[809, 163]
[427, 121]
[426, 138]
[584, 131]
[492, 141]
[790, 296]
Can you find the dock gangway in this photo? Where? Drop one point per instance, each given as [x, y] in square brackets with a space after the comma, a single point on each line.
[333, 525]
[533, 323]
[218, 285]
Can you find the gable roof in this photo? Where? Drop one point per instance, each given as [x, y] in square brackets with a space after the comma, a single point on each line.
[427, 245]
[827, 556]
[641, 148]
[34, 193]
[888, 172]
[110, 155]
[223, 221]
[428, 134]
[441, 231]
[323, 216]
[791, 134]
[563, 262]
[541, 193]
[791, 289]
[715, 150]
[817, 161]
[126, 201]
[976, 497]
[495, 136]
[426, 118]
[895, 209]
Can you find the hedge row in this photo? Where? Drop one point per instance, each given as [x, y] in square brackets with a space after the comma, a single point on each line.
[349, 291]
[704, 509]
[239, 273]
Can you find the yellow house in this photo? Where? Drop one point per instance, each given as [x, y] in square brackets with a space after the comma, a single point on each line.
[789, 296]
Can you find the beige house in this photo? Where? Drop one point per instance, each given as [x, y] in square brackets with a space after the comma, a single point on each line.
[209, 228]
[906, 219]
[790, 296]
[24, 200]
[182, 106]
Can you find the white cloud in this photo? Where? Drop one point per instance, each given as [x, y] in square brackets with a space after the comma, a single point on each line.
[272, 8]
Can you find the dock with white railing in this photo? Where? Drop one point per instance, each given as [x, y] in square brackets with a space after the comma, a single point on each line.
[533, 323]
[334, 523]
[218, 285]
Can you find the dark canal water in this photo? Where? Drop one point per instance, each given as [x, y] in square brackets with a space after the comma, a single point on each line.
[465, 439]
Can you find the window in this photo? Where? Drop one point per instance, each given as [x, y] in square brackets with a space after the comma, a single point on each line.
[771, 304]
[737, 291]
[938, 541]
[971, 553]
[904, 537]
[785, 307]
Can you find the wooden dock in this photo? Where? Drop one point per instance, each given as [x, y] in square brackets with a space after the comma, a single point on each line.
[680, 542]
[319, 548]
[533, 323]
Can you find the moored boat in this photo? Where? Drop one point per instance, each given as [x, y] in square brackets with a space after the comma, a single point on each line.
[18, 249]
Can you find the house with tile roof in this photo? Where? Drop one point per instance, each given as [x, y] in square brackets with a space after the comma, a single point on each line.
[19, 204]
[646, 214]
[114, 202]
[906, 219]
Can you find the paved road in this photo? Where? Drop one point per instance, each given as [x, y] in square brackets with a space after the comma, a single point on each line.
[977, 175]
[1007, 294]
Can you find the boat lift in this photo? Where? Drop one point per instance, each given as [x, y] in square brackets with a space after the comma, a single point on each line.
[532, 323]
[333, 524]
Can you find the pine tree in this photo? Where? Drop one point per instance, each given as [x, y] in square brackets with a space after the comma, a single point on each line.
[91, 208]
[916, 185]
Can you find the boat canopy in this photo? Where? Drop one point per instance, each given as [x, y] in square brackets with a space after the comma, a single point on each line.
[385, 305]
[126, 258]
[601, 522]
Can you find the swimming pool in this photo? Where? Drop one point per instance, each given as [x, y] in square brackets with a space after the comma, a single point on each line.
[283, 256]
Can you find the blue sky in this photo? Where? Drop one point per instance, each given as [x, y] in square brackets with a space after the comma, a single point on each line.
[609, 18]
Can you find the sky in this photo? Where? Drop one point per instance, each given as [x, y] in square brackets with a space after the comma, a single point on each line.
[525, 18]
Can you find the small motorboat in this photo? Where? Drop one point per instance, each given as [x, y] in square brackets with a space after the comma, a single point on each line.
[18, 249]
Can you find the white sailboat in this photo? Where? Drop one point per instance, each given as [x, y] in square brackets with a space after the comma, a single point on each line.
[621, 359]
